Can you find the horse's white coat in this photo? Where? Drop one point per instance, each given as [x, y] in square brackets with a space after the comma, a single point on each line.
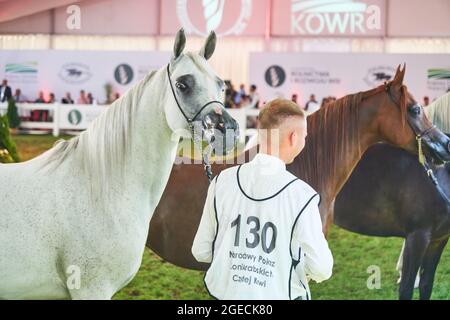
[86, 204]
[439, 113]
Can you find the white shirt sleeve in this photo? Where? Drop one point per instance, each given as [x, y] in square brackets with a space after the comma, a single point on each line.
[203, 241]
[308, 235]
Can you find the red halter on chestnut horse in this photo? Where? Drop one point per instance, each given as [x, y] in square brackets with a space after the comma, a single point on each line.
[338, 135]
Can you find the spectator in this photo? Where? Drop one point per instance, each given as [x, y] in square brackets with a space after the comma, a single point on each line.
[238, 97]
[234, 95]
[40, 98]
[67, 99]
[19, 97]
[44, 115]
[254, 97]
[91, 99]
[82, 99]
[5, 91]
[426, 101]
[38, 115]
[312, 100]
[242, 90]
[229, 95]
[312, 105]
[253, 103]
[51, 98]
[294, 98]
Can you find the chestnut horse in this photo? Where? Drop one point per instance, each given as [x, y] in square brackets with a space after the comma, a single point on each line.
[338, 135]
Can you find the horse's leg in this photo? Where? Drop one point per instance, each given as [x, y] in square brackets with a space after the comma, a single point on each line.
[399, 268]
[429, 265]
[400, 263]
[415, 246]
[328, 219]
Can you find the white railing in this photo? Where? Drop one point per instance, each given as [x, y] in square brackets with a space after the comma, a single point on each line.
[71, 117]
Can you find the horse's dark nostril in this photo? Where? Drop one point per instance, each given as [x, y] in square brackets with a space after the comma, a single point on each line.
[448, 147]
[213, 139]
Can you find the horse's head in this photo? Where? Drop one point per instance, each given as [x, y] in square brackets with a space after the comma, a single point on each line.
[403, 122]
[194, 105]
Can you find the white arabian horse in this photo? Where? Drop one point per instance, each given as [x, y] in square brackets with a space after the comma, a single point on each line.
[439, 112]
[74, 221]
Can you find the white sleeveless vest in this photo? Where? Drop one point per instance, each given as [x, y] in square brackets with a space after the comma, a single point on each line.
[255, 252]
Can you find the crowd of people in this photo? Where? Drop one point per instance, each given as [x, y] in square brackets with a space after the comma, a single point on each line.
[83, 98]
[241, 98]
[234, 99]
[6, 93]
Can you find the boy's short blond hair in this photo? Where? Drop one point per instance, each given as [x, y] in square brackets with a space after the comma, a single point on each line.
[276, 111]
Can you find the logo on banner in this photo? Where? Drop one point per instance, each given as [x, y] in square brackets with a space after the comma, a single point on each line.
[75, 73]
[74, 117]
[439, 74]
[438, 79]
[22, 73]
[275, 76]
[26, 67]
[378, 75]
[213, 12]
[334, 17]
[123, 74]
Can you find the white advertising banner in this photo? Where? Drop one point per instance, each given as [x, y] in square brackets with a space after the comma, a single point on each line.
[78, 117]
[61, 71]
[339, 74]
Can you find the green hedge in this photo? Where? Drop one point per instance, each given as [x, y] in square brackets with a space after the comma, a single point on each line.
[8, 151]
[13, 115]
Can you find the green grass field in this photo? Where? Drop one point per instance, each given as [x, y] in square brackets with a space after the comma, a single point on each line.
[353, 254]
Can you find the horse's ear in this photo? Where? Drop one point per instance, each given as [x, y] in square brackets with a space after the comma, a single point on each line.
[209, 46]
[400, 75]
[180, 43]
[403, 71]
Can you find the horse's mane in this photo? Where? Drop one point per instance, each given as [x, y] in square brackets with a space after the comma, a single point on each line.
[439, 113]
[333, 136]
[101, 149]
[332, 132]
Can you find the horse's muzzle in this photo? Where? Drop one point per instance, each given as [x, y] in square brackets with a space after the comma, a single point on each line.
[220, 130]
[438, 146]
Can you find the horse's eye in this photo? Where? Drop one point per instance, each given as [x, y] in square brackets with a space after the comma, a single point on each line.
[180, 86]
[415, 110]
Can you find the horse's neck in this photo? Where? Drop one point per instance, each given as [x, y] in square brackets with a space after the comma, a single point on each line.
[155, 154]
[327, 166]
[153, 150]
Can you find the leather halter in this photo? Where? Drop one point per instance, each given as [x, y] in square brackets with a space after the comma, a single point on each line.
[190, 121]
[419, 134]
